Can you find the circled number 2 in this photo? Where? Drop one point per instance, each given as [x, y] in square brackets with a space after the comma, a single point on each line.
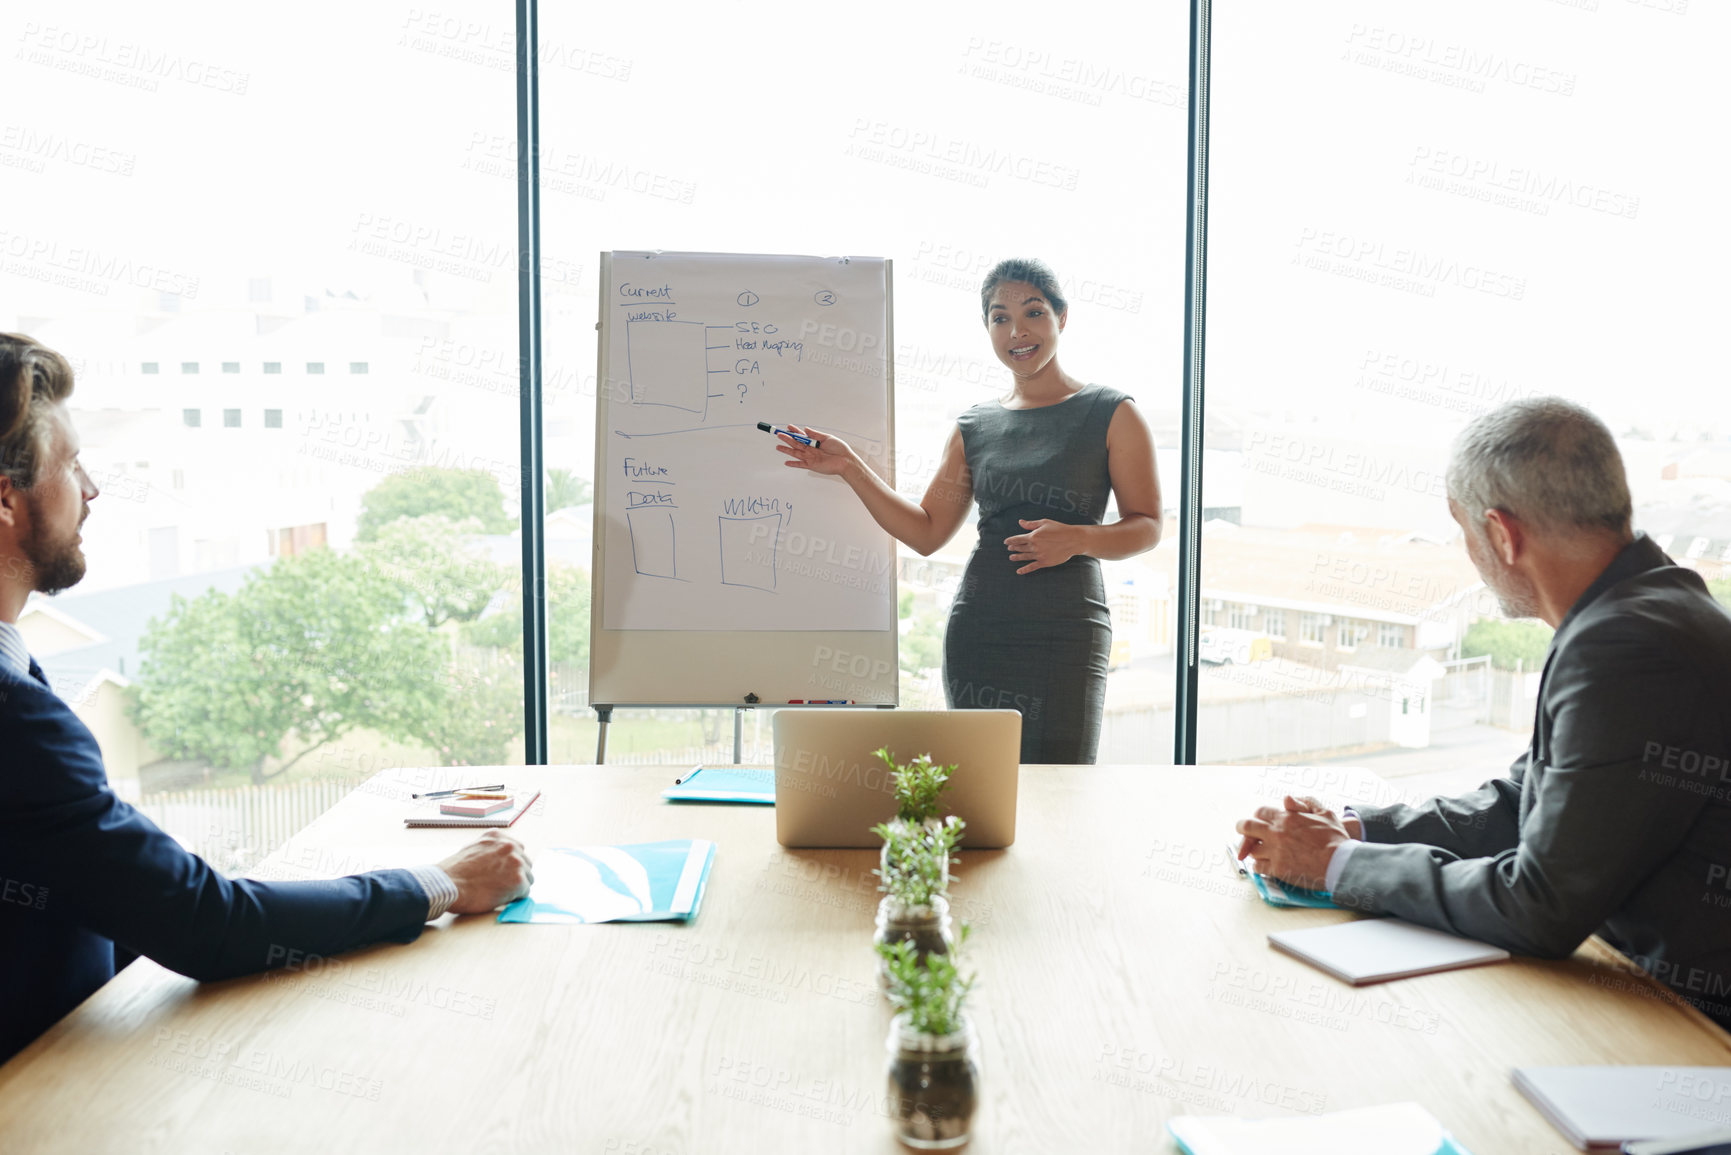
[824, 297]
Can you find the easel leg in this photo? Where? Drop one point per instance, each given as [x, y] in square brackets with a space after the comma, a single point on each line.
[605, 716]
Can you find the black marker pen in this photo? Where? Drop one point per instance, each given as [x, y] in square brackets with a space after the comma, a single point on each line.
[785, 432]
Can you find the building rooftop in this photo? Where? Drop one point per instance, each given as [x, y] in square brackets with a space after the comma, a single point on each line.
[1366, 573]
[119, 616]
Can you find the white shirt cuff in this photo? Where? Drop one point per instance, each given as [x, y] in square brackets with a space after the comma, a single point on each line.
[440, 890]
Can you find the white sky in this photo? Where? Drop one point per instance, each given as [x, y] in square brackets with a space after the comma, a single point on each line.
[269, 145]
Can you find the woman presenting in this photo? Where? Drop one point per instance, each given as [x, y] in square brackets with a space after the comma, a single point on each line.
[1029, 629]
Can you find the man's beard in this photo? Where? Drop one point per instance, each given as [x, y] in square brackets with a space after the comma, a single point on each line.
[1516, 596]
[58, 566]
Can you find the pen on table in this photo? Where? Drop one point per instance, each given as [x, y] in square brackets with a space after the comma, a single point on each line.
[820, 701]
[456, 790]
[694, 770]
[786, 432]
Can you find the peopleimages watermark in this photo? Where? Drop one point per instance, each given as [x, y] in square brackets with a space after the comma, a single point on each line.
[254, 1068]
[935, 153]
[1065, 77]
[1682, 768]
[489, 45]
[1400, 267]
[377, 981]
[26, 894]
[576, 173]
[1451, 65]
[28, 149]
[833, 885]
[1519, 187]
[753, 975]
[1304, 1000]
[1435, 382]
[1352, 472]
[458, 254]
[123, 62]
[1119, 1065]
[87, 269]
[780, 1088]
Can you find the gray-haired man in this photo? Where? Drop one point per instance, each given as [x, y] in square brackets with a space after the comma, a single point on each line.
[1617, 819]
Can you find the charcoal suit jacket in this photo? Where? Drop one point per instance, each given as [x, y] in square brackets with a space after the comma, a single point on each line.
[1616, 820]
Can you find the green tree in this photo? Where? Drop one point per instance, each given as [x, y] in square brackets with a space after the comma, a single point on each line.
[480, 715]
[565, 489]
[315, 647]
[922, 646]
[444, 575]
[567, 620]
[1507, 642]
[455, 493]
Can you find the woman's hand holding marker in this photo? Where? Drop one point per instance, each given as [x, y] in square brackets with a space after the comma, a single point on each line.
[819, 452]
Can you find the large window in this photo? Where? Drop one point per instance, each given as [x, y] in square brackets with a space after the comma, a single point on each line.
[975, 139]
[1416, 215]
[184, 189]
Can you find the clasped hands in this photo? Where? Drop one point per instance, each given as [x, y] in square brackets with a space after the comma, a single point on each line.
[1047, 543]
[1295, 841]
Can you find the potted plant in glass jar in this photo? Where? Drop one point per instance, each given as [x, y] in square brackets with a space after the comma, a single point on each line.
[915, 878]
[933, 1080]
[918, 787]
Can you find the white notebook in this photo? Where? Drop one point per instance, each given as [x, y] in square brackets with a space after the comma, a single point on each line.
[1393, 1129]
[1609, 1106]
[1374, 950]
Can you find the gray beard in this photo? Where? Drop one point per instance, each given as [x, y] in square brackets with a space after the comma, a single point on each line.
[1516, 600]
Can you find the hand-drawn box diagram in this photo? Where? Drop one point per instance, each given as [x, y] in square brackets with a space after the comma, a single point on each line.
[652, 541]
[668, 364]
[748, 548]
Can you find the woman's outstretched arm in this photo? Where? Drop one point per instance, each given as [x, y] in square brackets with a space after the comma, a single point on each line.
[924, 527]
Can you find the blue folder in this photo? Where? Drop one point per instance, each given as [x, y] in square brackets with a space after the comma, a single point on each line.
[725, 784]
[641, 882]
[1277, 893]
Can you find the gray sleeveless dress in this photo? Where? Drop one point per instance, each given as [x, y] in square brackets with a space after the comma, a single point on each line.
[1036, 642]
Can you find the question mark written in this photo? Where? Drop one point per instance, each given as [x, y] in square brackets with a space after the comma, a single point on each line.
[742, 392]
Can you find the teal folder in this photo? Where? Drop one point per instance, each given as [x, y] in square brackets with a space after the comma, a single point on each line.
[1277, 893]
[641, 882]
[725, 784]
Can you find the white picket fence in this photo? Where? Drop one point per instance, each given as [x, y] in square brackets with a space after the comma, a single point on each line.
[235, 827]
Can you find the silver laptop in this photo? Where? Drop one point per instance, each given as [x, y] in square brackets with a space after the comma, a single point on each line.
[831, 789]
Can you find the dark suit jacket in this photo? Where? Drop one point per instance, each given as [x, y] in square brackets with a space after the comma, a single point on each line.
[84, 877]
[1618, 817]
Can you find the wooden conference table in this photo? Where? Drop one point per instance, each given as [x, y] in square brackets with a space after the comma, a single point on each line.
[1124, 978]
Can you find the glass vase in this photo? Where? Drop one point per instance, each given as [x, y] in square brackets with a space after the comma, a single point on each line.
[928, 927]
[933, 1084]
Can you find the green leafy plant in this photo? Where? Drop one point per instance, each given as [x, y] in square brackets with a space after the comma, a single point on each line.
[917, 785]
[917, 858]
[1508, 643]
[307, 652]
[931, 993]
[455, 493]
